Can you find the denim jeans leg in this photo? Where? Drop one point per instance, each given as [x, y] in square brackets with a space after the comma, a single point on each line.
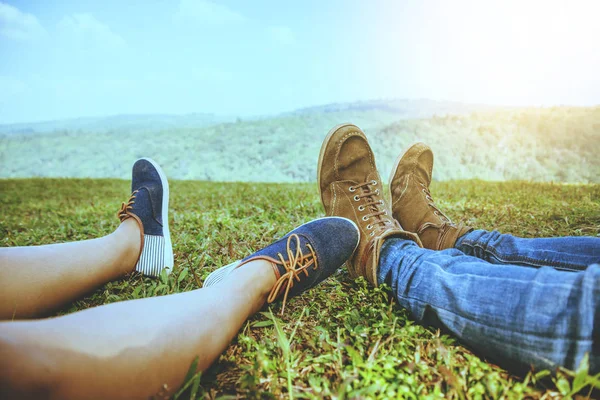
[574, 253]
[516, 315]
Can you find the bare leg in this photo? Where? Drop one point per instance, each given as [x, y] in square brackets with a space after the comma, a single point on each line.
[129, 349]
[38, 279]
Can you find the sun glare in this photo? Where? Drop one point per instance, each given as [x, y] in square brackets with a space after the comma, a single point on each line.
[509, 52]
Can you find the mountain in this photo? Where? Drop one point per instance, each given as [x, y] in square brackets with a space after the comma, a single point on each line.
[469, 141]
[404, 108]
[118, 123]
[159, 122]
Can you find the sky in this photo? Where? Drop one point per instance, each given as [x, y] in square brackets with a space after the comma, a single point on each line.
[66, 59]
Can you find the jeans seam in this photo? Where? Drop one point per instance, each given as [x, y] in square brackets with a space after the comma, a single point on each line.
[517, 259]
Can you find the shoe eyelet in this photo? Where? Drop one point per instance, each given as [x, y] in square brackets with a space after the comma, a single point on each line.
[380, 202]
[356, 198]
[436, 213]
[369, 227]
[361, 208]
[365, 218]
[377, 192]
[372, 233]
[385, 212]
[352, 189]
[373, 182]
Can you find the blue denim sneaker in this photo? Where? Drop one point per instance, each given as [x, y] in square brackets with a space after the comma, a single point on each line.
[149, 206]
[302, 258]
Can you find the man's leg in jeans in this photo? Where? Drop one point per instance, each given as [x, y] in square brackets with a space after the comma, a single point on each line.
[567, 253]
[525, 316]
[414, 208]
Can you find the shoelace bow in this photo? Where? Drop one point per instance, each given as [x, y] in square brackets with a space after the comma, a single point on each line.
[123, 212]
[296, 264]
[372, 205]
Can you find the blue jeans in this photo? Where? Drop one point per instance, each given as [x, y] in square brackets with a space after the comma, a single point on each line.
[518, 301]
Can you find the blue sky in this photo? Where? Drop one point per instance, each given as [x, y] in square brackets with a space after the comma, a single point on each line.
[62, 59]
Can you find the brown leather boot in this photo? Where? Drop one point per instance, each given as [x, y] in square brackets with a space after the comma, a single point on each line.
[412, 204]
[351, 187]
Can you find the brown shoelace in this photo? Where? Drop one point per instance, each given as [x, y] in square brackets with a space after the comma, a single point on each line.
[372, 205]
[443, 226]
[297, 263]
[445, 220]
[123, 212]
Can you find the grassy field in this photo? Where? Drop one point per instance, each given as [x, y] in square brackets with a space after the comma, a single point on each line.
[340, 340]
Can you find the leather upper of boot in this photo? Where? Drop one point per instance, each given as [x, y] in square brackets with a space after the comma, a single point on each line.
[351, 187]
[412, 204]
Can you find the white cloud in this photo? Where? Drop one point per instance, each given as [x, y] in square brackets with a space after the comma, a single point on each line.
[282, 34]
[17, 25]
[86, 31]
[207, 12]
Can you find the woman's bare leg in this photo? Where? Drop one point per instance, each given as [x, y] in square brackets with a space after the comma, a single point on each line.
[130, 349]
[142, 348]
[35, 280]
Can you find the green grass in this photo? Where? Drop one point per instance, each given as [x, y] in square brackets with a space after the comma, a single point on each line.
[342, 339]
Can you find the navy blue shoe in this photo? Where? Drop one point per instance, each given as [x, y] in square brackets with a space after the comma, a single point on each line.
[302, 258]
[149, 206]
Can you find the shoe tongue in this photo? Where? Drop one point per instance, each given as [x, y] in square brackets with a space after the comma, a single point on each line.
[374, 207]
[371, 188]
[145, 207]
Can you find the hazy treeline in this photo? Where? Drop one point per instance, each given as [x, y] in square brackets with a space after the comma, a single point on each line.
[542, 144]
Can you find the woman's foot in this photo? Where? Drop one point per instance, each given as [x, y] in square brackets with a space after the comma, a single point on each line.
[302, 258]
[148, 205]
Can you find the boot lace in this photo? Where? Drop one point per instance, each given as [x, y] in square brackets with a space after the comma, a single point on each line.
[373, 205]
[296, 264]
[444, 219]
[123, 212]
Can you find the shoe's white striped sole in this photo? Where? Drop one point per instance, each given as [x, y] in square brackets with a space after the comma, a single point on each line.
[151, 260]
[158, 259]
[220, 274]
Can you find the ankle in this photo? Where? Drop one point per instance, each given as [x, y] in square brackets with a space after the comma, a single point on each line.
[256, 277]
[128, 241]
[264, 275]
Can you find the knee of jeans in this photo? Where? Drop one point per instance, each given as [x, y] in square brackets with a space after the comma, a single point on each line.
[494, 238]
[477, 239]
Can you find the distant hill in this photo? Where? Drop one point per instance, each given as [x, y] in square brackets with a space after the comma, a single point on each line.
[421, 108]
[160, 122]
[118, 123]
[543, 144]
